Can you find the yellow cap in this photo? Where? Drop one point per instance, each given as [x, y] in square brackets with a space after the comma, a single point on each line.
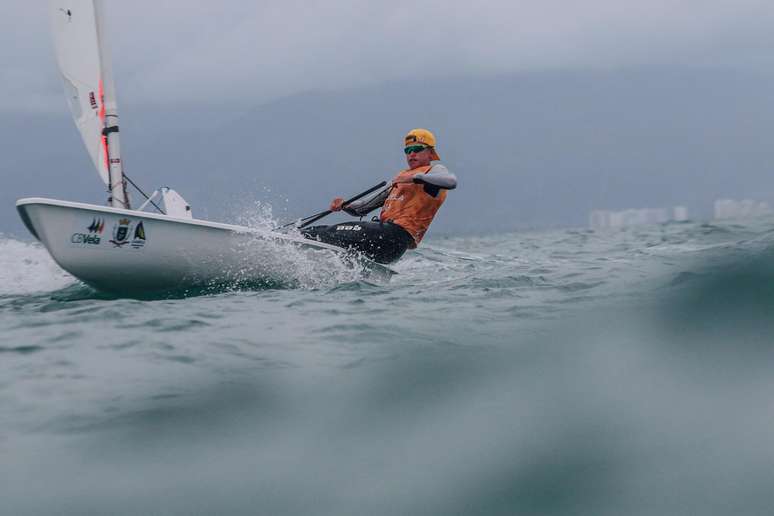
[422, 136]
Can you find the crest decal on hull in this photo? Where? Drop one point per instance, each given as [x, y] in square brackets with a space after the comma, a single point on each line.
[121, 232]
[128, 232]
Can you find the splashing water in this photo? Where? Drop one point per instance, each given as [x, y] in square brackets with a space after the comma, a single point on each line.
[290, 265]
[257, 215]
[26, 268]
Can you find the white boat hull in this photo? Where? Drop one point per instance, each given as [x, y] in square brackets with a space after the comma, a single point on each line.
[121, 250]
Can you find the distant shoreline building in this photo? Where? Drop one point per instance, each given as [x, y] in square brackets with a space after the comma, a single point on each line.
[747, 208]
[599, 219]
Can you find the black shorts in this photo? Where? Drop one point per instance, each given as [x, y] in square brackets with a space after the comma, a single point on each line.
[383, 242]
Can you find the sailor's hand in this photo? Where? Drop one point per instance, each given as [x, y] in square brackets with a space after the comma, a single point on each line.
[336, 204]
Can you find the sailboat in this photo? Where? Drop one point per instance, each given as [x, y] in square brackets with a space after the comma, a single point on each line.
[119, 248]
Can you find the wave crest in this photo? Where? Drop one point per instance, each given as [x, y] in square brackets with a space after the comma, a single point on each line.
[27, 268]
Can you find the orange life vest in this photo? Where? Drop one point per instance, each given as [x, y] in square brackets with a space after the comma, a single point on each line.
[410, 207]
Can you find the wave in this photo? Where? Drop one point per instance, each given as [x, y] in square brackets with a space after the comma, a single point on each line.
[26, 268]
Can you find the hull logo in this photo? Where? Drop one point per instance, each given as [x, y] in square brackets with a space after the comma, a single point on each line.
[84, 238]
[125, 233]
[97, 226]
[139, 236]
[121, 232]
[128, 233]
[94, 229]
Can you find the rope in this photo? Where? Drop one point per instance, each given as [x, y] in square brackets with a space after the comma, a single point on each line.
[144, 194]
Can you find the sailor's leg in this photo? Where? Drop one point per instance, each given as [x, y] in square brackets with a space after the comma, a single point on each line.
[381, 242]
[385, 242]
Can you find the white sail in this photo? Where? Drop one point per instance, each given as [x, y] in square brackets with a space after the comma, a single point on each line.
[80, 42]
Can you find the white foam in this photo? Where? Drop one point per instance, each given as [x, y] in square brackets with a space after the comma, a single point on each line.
[27, 268]
[289, 263]
[257, 215]
[299, 267]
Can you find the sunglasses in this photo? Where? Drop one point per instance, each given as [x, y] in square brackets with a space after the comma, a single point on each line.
[415, 148]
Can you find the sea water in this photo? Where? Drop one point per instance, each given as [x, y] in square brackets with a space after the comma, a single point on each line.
[619, 372]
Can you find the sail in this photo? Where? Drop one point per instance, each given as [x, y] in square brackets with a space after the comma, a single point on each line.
[77, 51]
[84, 61]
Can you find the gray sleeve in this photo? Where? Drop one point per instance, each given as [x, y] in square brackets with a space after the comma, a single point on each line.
[438, 176]
[369, 203]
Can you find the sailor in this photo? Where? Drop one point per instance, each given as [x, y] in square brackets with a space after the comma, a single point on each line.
[409, 202]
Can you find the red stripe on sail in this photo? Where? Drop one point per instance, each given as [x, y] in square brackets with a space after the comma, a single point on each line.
[102, 117]
[101, 101]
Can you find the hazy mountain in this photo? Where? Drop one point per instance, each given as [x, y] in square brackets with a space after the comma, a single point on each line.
[529, 150]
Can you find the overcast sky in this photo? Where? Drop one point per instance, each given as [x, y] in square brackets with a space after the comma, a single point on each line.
[648, 103]
[245, 51]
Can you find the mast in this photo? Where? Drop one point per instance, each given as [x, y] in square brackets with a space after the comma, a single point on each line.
[119, 197]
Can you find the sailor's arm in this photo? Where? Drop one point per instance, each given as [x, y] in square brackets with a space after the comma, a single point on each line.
[365, 205]
[439, 177]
